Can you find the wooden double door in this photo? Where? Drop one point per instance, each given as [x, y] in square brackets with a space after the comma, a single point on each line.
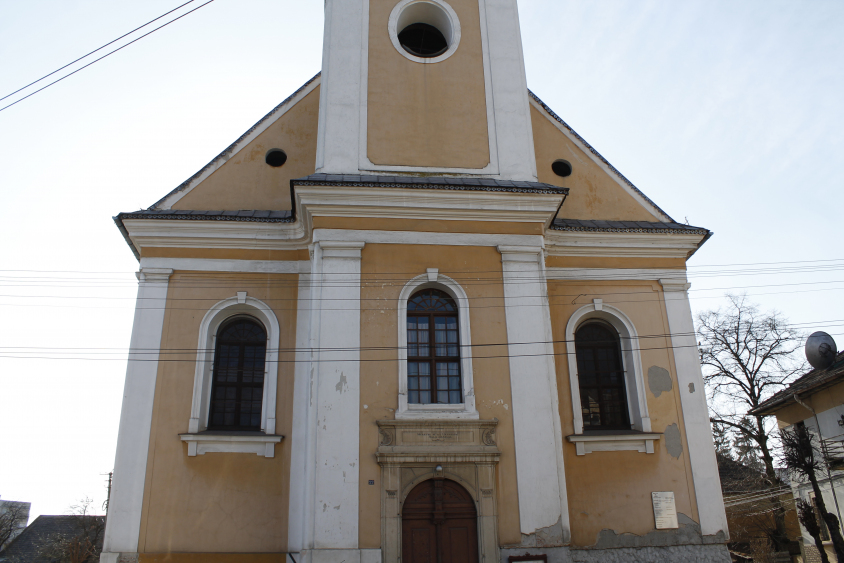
[439, 524]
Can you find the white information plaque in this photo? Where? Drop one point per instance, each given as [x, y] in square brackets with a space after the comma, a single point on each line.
[665, 511]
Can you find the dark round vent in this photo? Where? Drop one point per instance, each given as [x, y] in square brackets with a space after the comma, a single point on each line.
[276, 158]
[561, 168]
[423, 40]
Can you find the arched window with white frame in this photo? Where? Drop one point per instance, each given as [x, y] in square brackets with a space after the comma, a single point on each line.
[236, 379]
[605, 371]
[435, 355]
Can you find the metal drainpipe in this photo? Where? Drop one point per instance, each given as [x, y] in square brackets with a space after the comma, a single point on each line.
[825, 454]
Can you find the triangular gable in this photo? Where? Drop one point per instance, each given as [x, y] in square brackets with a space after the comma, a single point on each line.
[627, 192]
[184, 196]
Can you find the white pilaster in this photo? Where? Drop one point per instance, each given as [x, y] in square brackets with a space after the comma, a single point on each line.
[333, 465]
[710, 503]
[516, 156]
[339, 100]
[130, 463]
[540, 473]
[301, 414]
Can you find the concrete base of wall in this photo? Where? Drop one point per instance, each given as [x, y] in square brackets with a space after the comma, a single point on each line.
[670, 554]
[340, 556]
[110, 557]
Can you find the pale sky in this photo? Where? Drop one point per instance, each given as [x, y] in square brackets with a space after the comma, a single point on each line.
[725, 113]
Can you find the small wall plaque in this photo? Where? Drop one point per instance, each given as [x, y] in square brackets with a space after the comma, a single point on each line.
[665, 511]
[372, 481]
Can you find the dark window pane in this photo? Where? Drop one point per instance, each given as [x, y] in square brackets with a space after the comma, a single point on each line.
[238, 383]
[601, 377]
[432, 337]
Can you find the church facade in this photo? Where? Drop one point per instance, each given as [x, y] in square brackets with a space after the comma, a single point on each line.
[411, 315]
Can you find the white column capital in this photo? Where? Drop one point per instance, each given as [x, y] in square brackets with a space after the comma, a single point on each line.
[154, 275]
[669, 285]
[341, 249]
[520, 253]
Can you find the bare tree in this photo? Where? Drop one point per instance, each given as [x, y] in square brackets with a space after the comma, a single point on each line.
[84, 544]
[747, 355]
[803, 458]
[806, 515]
[13, 518]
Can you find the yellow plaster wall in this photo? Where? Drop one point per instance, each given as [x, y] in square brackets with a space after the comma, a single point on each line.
[246, 181]
[386, 268]
[427, 114]
[217, 502]
[612, 490]
[594, 193]
[428, 226]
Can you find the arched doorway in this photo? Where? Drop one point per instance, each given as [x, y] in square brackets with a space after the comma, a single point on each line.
[439, 524]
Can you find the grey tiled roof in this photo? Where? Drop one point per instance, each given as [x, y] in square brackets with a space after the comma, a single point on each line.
[252, 216]
[27, 547]
[811, 382]
[595, 152]
[429, 182]
[627, 227]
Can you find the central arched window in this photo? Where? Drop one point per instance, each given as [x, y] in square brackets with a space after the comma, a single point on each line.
[603, 396]
[237, 389]
[433, 349]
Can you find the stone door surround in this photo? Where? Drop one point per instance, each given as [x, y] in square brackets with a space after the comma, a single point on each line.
[413, 451]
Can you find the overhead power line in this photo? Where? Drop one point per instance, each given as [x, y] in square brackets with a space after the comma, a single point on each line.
[104, 56]
[95, 50]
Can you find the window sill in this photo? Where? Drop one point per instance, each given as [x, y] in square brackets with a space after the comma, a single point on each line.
[614, 441]
[231, 442]
[428, 412]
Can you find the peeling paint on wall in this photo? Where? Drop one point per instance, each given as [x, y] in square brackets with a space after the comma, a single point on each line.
[552, 535]
[341, 385]
[687, 534]
[673, 443]
[659, 380]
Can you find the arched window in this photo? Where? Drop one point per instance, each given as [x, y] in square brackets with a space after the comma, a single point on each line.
[603, 394]
[237, 388]
[433, 349]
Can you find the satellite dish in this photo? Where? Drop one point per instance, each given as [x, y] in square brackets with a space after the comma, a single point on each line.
[821, 350]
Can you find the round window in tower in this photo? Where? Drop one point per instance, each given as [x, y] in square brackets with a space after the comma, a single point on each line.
[424, 31]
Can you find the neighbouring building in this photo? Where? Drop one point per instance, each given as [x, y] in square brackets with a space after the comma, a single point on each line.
[14, 516]
[411, 315]
[57, 538]
[816, 400]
